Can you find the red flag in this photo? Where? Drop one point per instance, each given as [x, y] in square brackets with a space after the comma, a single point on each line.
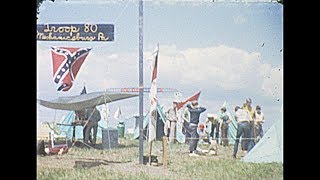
[192, 98]
[155, 68]
[66, 65]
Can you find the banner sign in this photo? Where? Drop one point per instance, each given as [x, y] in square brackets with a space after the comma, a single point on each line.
[75, 32]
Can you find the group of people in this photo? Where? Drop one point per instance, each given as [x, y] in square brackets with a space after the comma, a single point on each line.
[249, 126]
[249, 121]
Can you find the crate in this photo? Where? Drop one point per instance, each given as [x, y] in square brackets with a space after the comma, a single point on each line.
[109, 138]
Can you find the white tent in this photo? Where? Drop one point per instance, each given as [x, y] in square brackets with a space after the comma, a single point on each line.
[270, 147]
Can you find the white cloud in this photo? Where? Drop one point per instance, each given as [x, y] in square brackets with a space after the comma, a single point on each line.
[239, 19]
[221, 67]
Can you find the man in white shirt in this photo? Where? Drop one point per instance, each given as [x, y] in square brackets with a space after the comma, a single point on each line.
[171, 123]
[243, 118]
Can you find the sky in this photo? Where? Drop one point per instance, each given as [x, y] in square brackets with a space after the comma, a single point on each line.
[229, 51]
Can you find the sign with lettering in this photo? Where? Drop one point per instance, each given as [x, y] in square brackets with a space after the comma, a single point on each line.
[75, 32]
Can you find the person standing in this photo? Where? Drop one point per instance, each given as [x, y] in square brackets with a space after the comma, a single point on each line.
[258, 120]
[171, 123]
[93, 117]
[247, 106]
[186, 120]
[215, 125]
[195, 111]
[243, 118]
[225, 126]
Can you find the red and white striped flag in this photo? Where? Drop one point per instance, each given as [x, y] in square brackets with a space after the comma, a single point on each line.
[153, 98]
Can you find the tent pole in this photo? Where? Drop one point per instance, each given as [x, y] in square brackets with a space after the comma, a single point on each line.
[105, 103]
[150, 151]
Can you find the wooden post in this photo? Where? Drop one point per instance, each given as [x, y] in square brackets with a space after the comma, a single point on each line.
[150, 153]
[74, 133]
[164, 151]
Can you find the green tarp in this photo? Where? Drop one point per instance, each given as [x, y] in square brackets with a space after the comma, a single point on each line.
[84, 101]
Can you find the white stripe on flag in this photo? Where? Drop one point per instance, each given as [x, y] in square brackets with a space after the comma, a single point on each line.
[153, 101]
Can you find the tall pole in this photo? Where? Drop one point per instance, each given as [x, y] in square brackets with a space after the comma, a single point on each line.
[141, 82]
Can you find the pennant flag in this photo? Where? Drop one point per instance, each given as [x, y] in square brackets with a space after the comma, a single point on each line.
[195, 97]
[66, 65]
[105, 112]
[117, 114]
[153, 98]
[84, 90]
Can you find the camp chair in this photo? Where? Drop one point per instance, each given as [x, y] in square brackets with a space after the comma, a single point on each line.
[57, 148]
[53, 137]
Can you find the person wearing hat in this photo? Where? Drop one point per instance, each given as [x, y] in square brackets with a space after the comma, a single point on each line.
[195, 111]
[224, 126]
[258, 121]
[215, 125]
[171, 123]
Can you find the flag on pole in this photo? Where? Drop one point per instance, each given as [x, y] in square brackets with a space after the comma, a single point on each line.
[194, 97]
[66, 65]
[117, 114]
[153, 98]
[84, 90]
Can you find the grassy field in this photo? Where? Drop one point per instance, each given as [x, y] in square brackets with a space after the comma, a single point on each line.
[123, 163]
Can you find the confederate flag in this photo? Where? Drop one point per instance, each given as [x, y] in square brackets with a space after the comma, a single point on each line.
[66, 65]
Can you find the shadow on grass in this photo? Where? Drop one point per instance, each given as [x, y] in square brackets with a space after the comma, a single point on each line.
[80, 144]
[89, 163]
[127, 146]
[99, 146]
[103, 160]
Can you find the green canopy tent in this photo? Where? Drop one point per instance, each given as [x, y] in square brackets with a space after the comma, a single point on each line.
[84, 101]
[80, 102]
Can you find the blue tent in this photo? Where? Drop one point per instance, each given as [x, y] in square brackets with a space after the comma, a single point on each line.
[68, 130]
[270, 147]
[146, 119]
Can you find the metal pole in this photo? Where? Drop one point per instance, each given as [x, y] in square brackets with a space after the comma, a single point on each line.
[141, 82]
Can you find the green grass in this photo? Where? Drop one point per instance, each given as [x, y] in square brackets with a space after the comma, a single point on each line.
[123, 163]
